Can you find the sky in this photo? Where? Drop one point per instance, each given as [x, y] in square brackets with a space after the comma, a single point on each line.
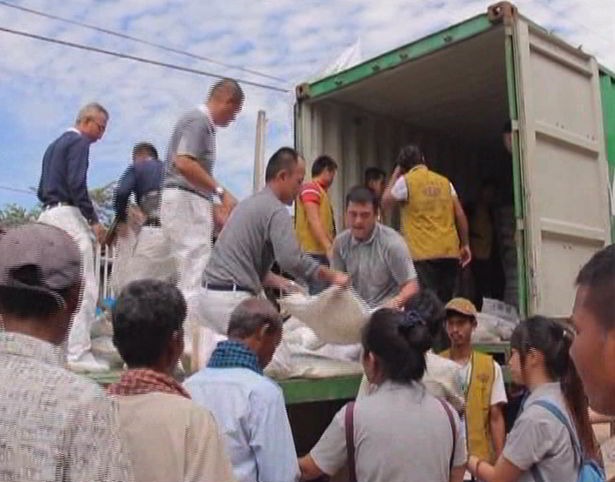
[43, 85]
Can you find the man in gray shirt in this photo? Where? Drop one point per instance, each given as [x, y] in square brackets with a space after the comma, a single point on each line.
[259, 231]
[375, 256]
[186, 211]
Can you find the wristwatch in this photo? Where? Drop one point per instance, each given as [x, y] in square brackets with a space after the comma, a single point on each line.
[220, 191]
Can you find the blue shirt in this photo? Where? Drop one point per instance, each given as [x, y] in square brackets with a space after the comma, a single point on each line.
[141, 177]
[64, 174]
[249, 408]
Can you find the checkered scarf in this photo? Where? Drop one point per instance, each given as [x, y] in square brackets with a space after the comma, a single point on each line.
[142, 380]
[233, 354]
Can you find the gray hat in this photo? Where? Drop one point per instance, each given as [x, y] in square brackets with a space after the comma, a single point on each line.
[50, 250]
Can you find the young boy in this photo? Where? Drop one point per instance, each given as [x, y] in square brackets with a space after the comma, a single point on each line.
[481, 380]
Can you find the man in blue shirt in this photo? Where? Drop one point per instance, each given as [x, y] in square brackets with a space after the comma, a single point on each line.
[66, 203]
[147, 255]
[249, 407]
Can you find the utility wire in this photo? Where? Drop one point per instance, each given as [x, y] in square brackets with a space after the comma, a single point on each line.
[138, 59]
[139, 40]
[15, 189]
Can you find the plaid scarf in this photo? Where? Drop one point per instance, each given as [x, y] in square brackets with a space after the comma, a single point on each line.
[143, 380]
[233, 354]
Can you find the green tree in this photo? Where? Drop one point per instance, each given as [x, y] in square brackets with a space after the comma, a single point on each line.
[14, 215]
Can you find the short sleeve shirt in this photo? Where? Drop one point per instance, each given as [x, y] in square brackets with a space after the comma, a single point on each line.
[194, 135]
[538, 438]
[311, 192]
[379, 266]
[398, 430]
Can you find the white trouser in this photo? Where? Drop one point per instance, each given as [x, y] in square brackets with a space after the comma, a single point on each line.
[149, 258]
[209, 312]
[187, 224]
[69, 219]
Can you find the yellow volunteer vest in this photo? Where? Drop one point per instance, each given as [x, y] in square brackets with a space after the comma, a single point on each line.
[307, 240]
[478, 404]
[428, 219]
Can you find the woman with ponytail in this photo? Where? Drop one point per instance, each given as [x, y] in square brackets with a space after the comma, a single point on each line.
[540, 445]
[399, 432]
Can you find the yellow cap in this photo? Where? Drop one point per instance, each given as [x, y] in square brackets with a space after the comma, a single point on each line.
[462, 306]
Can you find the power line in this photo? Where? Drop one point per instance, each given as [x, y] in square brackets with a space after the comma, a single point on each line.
[139, 40]
[15, 189]
[137, 59]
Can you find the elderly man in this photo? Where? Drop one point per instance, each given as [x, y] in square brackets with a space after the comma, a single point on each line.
[147, 331]
[189, 186]
[259, 231]
[375, 256]
[247, 405]
[55, 426]
[63, 193]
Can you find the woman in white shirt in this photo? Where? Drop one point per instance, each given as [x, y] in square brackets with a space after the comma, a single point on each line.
[399, 432]
[539, 444]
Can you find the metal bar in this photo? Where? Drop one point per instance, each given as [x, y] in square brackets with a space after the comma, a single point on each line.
[259, 152]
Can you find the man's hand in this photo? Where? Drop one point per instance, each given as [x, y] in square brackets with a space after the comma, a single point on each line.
[465, 256]
[394, 303]
[220, 216]
[228, 201]
[99, 232]
[339, 279]
[290, 286]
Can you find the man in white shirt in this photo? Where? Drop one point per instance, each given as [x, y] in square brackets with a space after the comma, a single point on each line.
[248, 406]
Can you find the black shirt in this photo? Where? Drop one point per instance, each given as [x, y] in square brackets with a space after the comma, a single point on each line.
[64, 174]
[140, 178]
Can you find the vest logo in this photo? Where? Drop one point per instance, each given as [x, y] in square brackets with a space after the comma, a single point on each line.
[483, 377]
[432, 191]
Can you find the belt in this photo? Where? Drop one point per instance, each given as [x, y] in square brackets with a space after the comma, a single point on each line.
[152, 223]
[56, 205]
[173, 185]
[232, 287]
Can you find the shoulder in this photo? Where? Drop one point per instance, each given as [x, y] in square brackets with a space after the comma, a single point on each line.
[343, 238]
[265, 390]
[390, 236]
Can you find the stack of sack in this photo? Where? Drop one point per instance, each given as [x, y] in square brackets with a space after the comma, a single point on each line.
[496, 322]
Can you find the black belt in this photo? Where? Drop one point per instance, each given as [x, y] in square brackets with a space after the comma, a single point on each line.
[56, 205]
[152, 223]
[188, 189]
[215, 287]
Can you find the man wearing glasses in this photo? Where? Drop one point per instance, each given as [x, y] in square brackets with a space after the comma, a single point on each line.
[63, 192]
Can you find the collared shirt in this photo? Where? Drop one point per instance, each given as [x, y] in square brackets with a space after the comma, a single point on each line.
[55, 426]
[398, 430]
[194, 135]
[171, 438]
[258, 231]
[234, 354]
[378, 266]
[539, 438]
[249, 409]
[139, 178]
[64, 173]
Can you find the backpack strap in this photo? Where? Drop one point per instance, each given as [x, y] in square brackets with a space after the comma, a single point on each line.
[349, 425]
[451, 420]
[557, 413]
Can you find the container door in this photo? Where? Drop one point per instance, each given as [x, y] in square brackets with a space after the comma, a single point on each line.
[563, 165]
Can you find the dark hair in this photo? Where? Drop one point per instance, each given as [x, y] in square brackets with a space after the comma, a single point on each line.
[321, 163]
[284, 159]
[409, 157]
[507, 128]
[553, 339]
[144, 147]
[145, 316]
[598, 276]
[30, 303]
[251, 315]
[362, 195]
[228, 88]
[431, 309]
[400, 340]
[374, 174]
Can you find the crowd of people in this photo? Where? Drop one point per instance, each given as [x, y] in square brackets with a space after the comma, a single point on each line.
[228, 420]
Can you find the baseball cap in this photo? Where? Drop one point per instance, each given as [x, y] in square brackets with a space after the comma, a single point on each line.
[40, 258]
[462, 306]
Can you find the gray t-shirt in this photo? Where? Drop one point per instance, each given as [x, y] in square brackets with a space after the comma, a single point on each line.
[194, 135]
[259, 231]
[401, 433]
[378, 266]
[539, 438]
